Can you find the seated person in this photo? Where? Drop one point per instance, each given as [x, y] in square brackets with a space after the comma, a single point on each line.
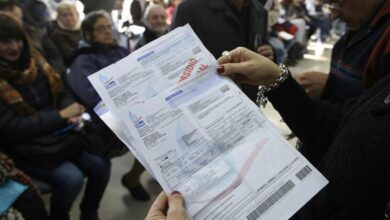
[28, 205]
[358, 56]
[66, 31]
[155, 24]
[98, 50]
[37, 117]
[36, 31]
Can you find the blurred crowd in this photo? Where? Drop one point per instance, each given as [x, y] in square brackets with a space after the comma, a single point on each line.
[48, 48]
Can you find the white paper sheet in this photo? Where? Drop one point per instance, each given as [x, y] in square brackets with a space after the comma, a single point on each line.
[199, 134]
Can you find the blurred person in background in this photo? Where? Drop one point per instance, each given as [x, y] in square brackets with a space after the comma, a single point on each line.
[359, 56]
[36, 30]
[25, 202]
[95, 5]
[225, 24]
[66, 33]
[38, 117]
[171, 8]
[98, 50]
[155, 24]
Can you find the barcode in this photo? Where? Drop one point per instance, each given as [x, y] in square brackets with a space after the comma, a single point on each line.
[268, 203]
[303, 172]
[196, 50]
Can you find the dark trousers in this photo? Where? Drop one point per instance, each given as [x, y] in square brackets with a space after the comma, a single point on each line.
[67, 181]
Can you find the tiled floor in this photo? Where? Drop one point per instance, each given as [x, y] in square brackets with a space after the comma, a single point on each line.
[117, 204]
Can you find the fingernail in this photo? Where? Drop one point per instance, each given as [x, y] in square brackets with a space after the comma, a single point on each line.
[175, 193]
[220, 69]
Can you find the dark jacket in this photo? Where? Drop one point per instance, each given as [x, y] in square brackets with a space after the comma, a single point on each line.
[15, 129]
[94, 5]
[221, 27]
[43, 43]
[359, 58]
[88, 60]
[147, 36]
[352, 141]
[67, 42]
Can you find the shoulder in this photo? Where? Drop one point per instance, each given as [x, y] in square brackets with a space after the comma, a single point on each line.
[122, 50]
[83, 57]
[190, 5]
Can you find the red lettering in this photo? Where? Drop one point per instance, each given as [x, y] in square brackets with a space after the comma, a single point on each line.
[188, 70]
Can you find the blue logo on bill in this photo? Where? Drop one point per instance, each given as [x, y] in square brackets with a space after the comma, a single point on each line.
[137, 121]
[107, 82]
[140, 124]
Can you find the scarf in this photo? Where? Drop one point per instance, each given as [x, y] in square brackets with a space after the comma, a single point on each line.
[12, 97]
[75, 28]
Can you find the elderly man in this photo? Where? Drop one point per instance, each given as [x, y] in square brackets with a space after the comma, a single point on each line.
[155, 19]
[359, 57]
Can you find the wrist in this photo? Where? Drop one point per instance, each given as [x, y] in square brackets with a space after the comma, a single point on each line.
[275, 81]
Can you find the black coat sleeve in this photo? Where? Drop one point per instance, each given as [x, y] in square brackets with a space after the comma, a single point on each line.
[314, 122]
[15, 128]
[67, 98]
[339, 90]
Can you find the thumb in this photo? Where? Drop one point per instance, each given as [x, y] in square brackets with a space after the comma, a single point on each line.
[176, 207]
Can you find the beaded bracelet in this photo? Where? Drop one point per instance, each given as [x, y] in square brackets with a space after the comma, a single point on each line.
[261, 99]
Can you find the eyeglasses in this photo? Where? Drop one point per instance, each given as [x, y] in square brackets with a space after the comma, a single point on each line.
[335, 5]
[103, 28]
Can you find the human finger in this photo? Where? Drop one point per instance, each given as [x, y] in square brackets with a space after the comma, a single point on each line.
[176, 209]
[157, 210]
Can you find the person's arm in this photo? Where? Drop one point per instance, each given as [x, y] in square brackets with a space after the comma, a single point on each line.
[66, 98]
[77, 79]
[16, 128]
[314, 122]
[339, 90]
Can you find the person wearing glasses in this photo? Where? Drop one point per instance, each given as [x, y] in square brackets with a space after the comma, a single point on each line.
[359, 56]
[97, 50]
[38, 117]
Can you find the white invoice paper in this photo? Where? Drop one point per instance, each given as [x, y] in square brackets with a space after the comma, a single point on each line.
[197, 133]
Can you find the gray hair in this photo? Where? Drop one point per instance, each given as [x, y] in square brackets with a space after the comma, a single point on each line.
[149, 8]
[89, 21]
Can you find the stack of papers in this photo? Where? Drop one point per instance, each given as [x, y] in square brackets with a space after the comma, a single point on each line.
[197, 133]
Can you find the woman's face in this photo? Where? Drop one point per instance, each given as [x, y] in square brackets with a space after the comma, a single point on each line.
[68, 17]
[102, 31]
[11, 50]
